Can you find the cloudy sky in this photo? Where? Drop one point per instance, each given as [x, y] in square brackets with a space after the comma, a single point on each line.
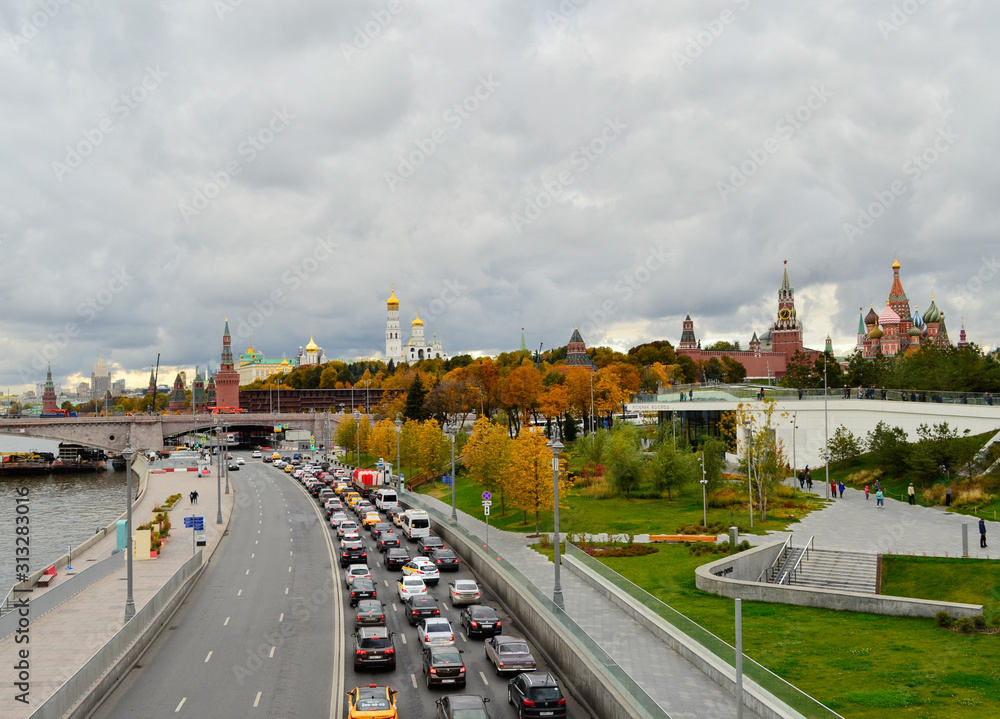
[506, 163]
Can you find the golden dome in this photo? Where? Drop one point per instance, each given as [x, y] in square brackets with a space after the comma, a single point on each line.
[312, 346]
[896, 265]
[417, 322]
[392, 303]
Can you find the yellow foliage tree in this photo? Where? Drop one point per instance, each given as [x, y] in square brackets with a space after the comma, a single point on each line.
[487, 455]
[423, 447]
[530, 482]
[382, 442]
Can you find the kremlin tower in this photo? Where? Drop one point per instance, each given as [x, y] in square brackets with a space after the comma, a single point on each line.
[227, 379]
[50, 402]
[393, 340]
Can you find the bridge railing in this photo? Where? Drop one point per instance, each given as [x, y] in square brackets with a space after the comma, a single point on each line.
[717, 392]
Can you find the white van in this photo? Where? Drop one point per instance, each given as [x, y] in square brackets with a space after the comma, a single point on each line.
[386, 498]
[416, 524]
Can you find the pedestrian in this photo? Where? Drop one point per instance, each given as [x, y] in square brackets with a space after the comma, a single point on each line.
[912, 493]
[690, 395]
[191, 497]
[879, 499]
[196, 496]
[847, 391]
[878, 485]
[833, 490]
[840, 487]
[809, 480]
[866, 492]
[947, 497]
[861, 392]
[982, 532]
[884, 393]
[800, 393]
[802, 480]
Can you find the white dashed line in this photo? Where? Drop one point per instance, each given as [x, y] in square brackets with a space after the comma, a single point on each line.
[463, 638]
[289, 569]
[239, 593]
[394, 607]
[248, 571]
[257, 700]
[290, 552]
[271, 655]
[252, 556]
[404, 638]
[256, 541]
[413, 678]
[225, 623]
[182, 704]
[208, 657]
[286, 590]
[281, 617]
[484, 679]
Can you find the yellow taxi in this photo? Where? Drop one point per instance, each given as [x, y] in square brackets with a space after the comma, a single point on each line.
[372, 702]
[371, 518]
[352, 499]
[289, 468]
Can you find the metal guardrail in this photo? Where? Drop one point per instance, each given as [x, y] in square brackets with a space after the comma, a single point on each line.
[725, 653]
[645, 704]
[750, 392]
[769, 571]
[787, 577]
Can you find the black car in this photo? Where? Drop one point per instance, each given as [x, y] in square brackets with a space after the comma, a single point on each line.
[480, 620]
[233, 467]
[443, 666]
[373, 647]
[387, 541]
[370, 613]
[266, 459]
[420, 607]
[353, 553]
[362, 588]
[380, 527]
[536, 695]
[444, 559]
[427, 545]
[396, 558]
[466, 706]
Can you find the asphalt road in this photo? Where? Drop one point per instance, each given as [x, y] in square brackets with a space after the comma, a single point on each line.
[257, 636]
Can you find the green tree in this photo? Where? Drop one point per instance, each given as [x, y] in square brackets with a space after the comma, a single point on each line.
[890, 447]
[714, 456]
[844, 446]
[625, 463]
[673, 469]
[415, 400]
[568, 428]
[724, 346]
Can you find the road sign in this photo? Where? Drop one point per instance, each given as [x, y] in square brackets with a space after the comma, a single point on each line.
[381, 464]
[487, 504]
[486, 510]
[194, 522]
[446, 480]
[487, 496]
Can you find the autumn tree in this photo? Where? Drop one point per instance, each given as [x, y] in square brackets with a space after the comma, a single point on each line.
[519, 393]
[625, 463]
[531, 475]
[763, 457]
[382, 442]
[488, 456]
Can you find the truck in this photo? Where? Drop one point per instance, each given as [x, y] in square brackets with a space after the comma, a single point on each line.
[365, 480]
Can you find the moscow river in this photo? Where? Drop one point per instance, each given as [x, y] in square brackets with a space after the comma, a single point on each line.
[66, 509]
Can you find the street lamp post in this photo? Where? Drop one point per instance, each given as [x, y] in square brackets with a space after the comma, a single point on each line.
[128, 453]
[704, 496]
[226, 443]
[218, 473]
[749, 428]
[557, 594]
[399, 432]
[826, 428]
[795, 426]
[357, 435]
[451, 430]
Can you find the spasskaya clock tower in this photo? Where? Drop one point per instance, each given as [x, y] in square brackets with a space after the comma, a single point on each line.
[786, 332]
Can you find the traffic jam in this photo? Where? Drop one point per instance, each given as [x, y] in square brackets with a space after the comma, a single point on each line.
[424, 638]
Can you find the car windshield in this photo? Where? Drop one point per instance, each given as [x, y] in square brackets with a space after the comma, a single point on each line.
[513, 648]
[375, 643]
[437, 627]
[483, 613]
[469, 714]
[373, 705]
[449, 658]
[466, 586]
[544, 694]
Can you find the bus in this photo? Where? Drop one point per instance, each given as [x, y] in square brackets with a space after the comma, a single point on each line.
[226, 410]
[58, 413]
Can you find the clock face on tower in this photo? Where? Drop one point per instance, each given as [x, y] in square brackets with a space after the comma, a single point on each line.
[784, 313]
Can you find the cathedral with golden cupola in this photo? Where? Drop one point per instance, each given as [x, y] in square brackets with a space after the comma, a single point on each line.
[416, 348]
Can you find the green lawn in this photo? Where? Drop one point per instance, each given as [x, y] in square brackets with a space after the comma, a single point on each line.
[616, 516]
[971, 581]
[860, 665]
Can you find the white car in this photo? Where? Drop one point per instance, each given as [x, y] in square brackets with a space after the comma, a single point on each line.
[435, 632]
[422, 567]
[410, 587]
[278, 463]
[346, 526]
[464, 591]
[240, 460]
[255, 454]
[354, 571]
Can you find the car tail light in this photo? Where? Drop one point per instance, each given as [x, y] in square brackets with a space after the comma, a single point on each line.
[427, 638]
[382, 618]
[360, 652]
[528, 703]
[433, 670]
[475, 624]
[561, 702]
[498, 623]
[352, 594]
[438, 561]
[501, 663]
[415, 612]
[452, 637]
[461, 670]
[532, 665]
[390, 650]
[437, 611]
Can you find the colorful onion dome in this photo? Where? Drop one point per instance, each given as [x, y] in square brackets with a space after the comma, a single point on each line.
[918, 321]
[417, 322]
[914, 331]
[392, 303]
[888, 316]
[871, 318]
[933, 314]
[876, 334]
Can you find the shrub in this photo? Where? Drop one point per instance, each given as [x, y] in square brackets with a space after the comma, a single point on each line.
[943, 619]
[783, 491]
[980, 622]
[934, 495]
[724, 497]
[865, 476]
[965, 625]
[971, 496]
[627, 550]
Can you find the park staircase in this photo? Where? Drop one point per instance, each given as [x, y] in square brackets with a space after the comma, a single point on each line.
[842, 571]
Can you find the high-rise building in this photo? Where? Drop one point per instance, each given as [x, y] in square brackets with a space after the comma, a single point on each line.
[227, 379]
[100, 380]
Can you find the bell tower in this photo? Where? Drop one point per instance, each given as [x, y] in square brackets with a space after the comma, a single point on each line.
[786, 332]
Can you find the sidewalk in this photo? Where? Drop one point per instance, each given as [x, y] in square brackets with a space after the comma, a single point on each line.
[63, 640]
[680, 689]
[858, 525]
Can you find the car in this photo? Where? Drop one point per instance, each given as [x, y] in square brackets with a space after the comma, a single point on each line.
[370, 519]
[387, 541]
[233, 467]
[266, 460]
[356, 571]
[426, 545]
[397, 519]
[336, 518]
[372, 702]
[480, 620]
[255, 454]
[362, 588]
[422, 567]
[373, 647]
[240, 461]
[408, 587]
[351, 535]
[392, 513]
[536, 695]
[461, 706]
[348, 526]
[443, 665]
[421, 607]
[353, 553]
[288, 469]
[380, 527]
[435, 631]
[445, 559]
[395, 558]
[509, 654]
[464, 591]
[363, 509]
[370, 613]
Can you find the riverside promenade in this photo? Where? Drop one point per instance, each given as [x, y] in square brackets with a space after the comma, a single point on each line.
[68, 636]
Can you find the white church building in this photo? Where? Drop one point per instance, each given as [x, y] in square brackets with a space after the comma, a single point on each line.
[417, 348]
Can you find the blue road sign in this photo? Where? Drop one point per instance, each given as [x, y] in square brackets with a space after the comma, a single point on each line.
[189, 522]
[446, 480]
[194, 522]
[487, 496]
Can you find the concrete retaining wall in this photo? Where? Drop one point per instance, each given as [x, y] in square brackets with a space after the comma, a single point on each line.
[591, 681]
[708, 578]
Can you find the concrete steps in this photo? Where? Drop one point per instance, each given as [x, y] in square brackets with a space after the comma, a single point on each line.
[791, 557]
[844, 571]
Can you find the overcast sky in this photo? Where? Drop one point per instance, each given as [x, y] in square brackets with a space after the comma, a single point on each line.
[506, 163]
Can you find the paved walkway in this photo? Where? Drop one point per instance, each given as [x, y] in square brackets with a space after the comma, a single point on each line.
[63, 640]
[858, 525]
[682, 690]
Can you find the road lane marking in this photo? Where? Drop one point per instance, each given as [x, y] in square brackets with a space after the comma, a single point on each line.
[248, 572]
[290, 552]
[413, 678]
[225, 623]
[286, 590]
[289, 569]
[239, 593]
[281, 617]
[180, 705]
[257, 700]
[208, 657]
[386, 581]
[256, 541]
[404, 638]
[484, 679]
[394, 607]
[252, 556]
[271, 655]
[463, 638]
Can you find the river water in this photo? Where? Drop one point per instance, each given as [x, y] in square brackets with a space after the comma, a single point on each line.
[66, 509]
